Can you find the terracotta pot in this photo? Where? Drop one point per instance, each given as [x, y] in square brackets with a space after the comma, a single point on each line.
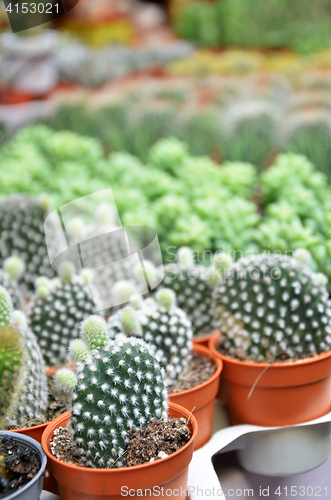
[285, 394]
[200, 400]
[81, 483]
[204, 341]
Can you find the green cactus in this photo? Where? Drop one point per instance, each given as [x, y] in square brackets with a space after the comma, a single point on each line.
[119, 388]
[22, 235]
[190, 282]
[273, 306]
[56, 310]
[23, 381]
[162, 324]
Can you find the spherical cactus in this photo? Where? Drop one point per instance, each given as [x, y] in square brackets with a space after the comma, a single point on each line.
[163, 325]
[119, 388]
[193, 291]
[273, 307]
[22, 235]
[23, 381]
[56, 311]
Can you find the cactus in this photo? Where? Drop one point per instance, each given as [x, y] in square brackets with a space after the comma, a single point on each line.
[13, 268]
[273, 307]
[22, 235]
[23, 382]
[56, 310]
[162, 324]
[118, 389]
[193, 292]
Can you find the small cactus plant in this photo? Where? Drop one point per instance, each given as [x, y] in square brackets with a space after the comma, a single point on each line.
[162, 324]
[193, 285]
[273, 307]
[23, 382]
[22, 235]
[118, 388]
[56, 311]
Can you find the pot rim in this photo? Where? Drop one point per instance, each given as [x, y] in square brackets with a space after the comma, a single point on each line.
[53, 424]
[42, 456]
[204, 352]
[276, 365]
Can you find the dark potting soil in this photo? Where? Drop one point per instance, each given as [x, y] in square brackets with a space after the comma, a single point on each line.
[159, 439]
[18, 465]
[199, 371]
[242, 355]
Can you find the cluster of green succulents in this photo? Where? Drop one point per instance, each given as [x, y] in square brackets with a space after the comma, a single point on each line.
[294, 23]
[23, 382]
[118, 387]
[271, 306]
[56, 311]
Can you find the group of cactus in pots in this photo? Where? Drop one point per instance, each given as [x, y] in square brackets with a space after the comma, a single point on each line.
[265, 319]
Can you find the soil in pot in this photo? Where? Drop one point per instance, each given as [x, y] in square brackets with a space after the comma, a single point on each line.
[18, 465]
[200, 370]
[157, 440]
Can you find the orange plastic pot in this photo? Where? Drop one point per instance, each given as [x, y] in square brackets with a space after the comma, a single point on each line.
[201, 399]
[81, 483]
[204, 341]
[285, 393]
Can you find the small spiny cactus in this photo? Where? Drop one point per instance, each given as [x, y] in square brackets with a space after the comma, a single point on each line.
[56, 311]
[23, 382]
[163, 325]
[118, 388]
[273, 307]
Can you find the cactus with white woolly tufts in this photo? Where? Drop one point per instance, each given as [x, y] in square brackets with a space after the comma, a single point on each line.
[56, 311]
[273, 307]
[163, 325]
[118, 388]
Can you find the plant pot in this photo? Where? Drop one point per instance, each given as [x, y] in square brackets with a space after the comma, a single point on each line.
[200, 399]
[29, 62]
[204, 341]
[285, 394]
[81, 483]
[34, 488]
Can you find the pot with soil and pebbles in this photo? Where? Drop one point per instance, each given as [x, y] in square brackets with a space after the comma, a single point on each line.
[22, 466]
[118, 389]
[192, 373]
[274, 315]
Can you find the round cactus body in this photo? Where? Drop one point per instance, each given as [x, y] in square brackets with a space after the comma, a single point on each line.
[193, 291]
[22, 235]
[23, 380]
[55, 313]
[273, 307]
[117, 389]
[163, 325]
